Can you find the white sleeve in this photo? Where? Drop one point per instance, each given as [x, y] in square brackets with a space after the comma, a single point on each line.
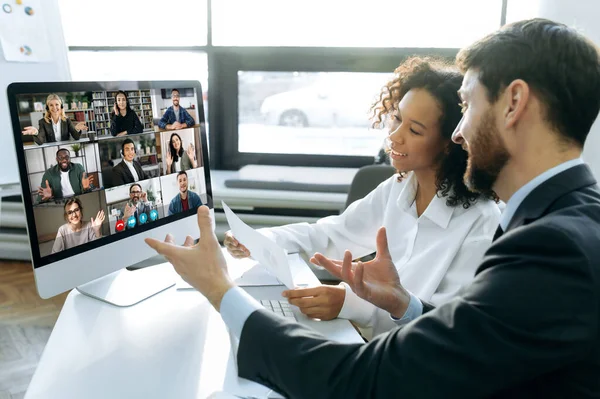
[59, 244]
[357, 309]
[353, 230]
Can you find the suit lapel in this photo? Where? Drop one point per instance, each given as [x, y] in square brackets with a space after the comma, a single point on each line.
[536, 204]
[64, 132]
[127, 171]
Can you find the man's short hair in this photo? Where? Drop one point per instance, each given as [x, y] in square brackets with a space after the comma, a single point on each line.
[133, 185]
[175, 90]
[126, 141]
[560, 66]
[181, 173]
[62, 149]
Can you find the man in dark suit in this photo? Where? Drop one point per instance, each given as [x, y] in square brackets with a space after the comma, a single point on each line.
[529, 325]
[129, 170]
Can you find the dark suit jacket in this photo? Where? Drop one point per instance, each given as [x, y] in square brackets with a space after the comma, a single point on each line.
[122, 174]
[46, 132]
[527, 327]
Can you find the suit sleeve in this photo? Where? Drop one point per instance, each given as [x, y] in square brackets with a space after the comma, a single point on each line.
[118, 178]
[40, 138]
[71, 128]
[505, 320]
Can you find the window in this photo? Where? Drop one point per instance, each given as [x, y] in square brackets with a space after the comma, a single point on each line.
[140, 65]
[322, 113]
[338, 23]
[134, 23]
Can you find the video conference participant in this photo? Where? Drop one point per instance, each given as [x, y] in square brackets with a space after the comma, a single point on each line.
[177, 159]
[77, 231]
[528, 324]
[129, 170]
[137, 210]
[186, 199]
[64, 179]
[123, 119]
[438, 229]
[176, 117]
[54, 126]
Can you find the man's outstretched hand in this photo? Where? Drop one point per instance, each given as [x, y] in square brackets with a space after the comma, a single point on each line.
[202, 265]
[375, 281]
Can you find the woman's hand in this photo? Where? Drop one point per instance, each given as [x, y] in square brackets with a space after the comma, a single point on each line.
[376, 281]
[97, 223]
[169, 160]
[191, 152]
[234, 247]
[123, 133]
[324, 302]
[30, 131]
[116, 109]
[81, 126]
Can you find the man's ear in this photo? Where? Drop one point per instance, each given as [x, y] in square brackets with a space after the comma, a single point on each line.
[516, 96]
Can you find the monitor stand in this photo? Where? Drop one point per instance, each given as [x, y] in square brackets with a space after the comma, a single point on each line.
[126, 288]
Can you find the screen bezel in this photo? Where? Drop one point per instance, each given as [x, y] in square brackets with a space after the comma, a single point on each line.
[19, 88]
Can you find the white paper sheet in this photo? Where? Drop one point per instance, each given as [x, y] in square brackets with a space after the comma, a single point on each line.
[265, 251]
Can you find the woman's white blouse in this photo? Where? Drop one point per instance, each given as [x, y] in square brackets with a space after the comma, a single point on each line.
[436, 254]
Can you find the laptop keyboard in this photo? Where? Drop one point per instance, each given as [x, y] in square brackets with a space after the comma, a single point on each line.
[281, 307]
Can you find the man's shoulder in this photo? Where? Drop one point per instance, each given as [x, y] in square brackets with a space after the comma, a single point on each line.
[569, 232]
[77, 167]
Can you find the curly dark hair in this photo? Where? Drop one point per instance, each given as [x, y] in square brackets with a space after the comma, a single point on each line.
[442, 81]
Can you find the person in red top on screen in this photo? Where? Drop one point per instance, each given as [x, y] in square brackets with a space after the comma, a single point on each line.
[186, 199]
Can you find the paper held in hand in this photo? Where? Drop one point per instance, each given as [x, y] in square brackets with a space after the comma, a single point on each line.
[265, 251]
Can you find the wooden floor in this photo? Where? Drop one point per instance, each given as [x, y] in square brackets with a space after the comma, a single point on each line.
[26, 321]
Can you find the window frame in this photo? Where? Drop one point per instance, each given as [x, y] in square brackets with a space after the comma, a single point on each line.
[224, 62]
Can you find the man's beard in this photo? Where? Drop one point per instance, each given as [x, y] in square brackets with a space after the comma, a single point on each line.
[487, 156]
[66, 169]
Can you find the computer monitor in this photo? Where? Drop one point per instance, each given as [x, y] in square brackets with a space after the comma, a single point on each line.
[104, 165]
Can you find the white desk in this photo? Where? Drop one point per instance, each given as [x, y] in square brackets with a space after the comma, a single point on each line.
[173, 345]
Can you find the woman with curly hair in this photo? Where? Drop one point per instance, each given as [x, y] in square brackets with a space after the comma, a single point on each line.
[437, 229]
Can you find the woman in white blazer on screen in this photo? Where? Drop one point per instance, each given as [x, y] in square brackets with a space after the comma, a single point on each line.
[437, 229]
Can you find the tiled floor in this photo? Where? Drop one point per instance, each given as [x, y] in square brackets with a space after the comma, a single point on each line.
[26, 322]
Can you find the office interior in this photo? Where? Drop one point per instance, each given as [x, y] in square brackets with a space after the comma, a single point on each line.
[294, 93]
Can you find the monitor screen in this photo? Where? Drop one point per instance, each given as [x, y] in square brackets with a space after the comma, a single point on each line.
[101, 163]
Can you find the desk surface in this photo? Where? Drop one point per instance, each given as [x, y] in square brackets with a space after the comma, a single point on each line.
[173, 345]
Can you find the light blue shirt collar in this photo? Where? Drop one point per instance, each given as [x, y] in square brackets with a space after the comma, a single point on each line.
[517, 198]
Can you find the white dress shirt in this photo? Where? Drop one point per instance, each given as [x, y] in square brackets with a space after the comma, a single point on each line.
[56, 128]
[517, 198]
[436, 254]
[132, 170]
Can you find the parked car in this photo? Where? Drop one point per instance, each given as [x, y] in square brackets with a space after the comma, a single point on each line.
[336, 100]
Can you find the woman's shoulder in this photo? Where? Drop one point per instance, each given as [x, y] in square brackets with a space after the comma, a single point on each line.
[487, 209]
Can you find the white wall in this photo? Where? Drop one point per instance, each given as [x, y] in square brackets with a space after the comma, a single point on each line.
[55, 70]
[582, 15]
